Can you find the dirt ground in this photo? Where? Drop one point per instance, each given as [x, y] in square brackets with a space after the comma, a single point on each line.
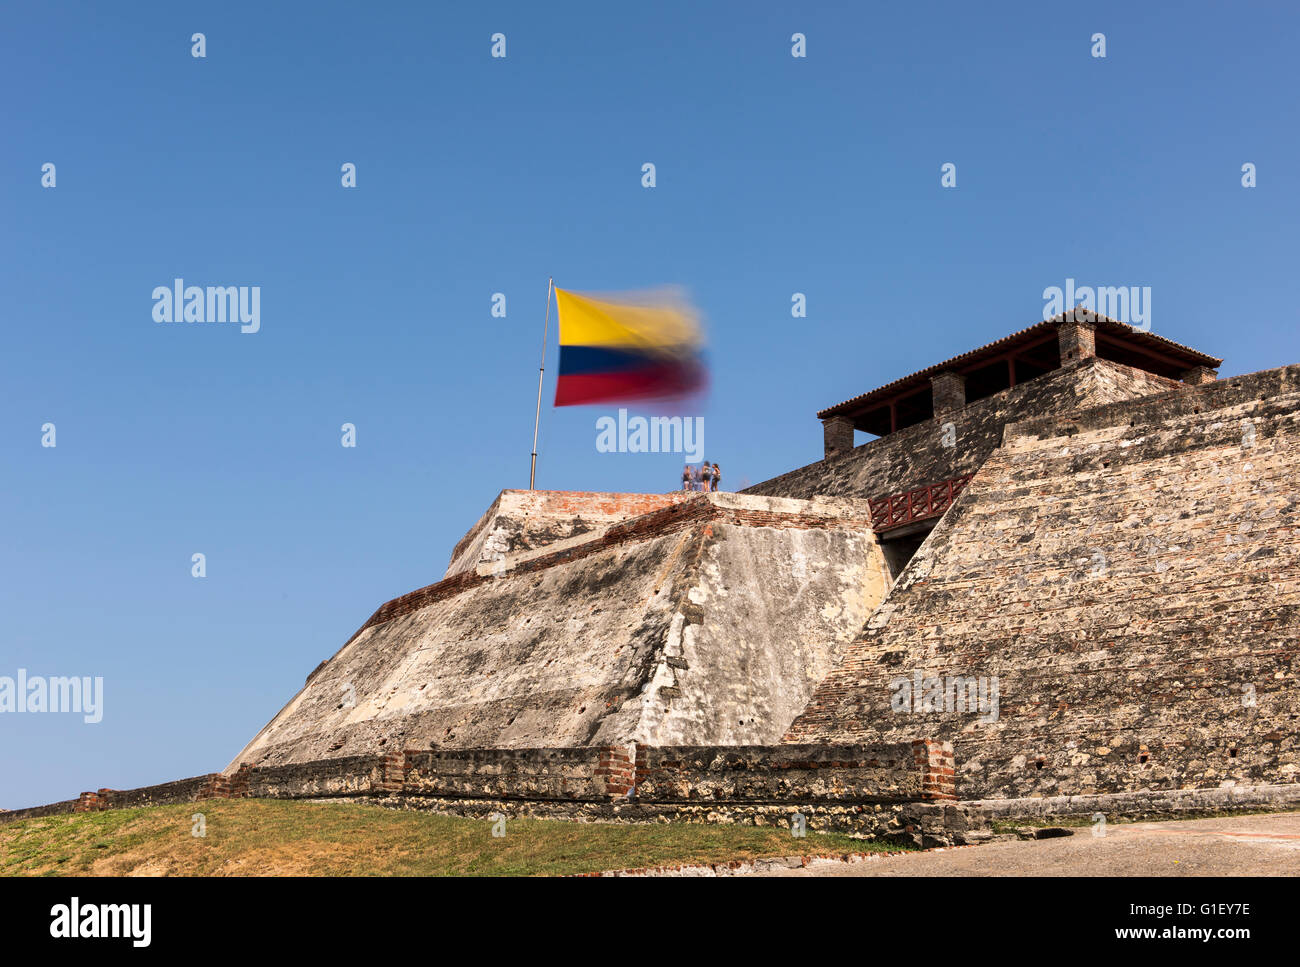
[1264, 845]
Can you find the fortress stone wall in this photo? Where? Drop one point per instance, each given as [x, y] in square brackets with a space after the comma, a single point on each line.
[1130, 575]
[899, 792]
[708, 621]
[1106, 618]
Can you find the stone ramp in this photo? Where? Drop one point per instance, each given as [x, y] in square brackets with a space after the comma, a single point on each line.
[1130, 577]
[708, 621]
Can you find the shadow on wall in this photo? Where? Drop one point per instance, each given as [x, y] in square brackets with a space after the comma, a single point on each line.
[900, 548]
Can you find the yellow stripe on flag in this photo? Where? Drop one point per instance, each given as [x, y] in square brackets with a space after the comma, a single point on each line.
[657, 320]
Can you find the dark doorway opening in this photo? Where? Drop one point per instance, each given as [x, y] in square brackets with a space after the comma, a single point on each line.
[900, 546]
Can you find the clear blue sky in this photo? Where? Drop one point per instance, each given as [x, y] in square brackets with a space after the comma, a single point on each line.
[477, 175]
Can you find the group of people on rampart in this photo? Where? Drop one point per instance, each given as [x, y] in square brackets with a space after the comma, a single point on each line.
[706, 477]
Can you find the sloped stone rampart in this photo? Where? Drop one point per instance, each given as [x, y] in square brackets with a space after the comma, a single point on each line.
[1129, 575]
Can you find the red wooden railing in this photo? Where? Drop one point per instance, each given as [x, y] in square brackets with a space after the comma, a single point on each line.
[920, 504]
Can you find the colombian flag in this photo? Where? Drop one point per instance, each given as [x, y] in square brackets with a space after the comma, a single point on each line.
[615, 349]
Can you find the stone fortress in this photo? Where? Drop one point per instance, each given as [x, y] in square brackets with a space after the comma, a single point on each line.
[1063, 578]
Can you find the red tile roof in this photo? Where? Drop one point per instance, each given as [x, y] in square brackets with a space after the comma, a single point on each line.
[1111, 327]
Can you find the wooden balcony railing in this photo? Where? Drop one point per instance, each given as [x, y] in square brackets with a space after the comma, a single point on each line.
[920, 504]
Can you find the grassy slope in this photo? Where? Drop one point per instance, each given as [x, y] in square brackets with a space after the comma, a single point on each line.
[266, 837]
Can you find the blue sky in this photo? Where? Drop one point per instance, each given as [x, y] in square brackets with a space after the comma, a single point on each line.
[476, 175]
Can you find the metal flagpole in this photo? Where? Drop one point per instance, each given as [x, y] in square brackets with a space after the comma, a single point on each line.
[532, 472]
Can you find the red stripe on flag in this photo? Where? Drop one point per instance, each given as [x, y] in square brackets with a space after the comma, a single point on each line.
[651, 382]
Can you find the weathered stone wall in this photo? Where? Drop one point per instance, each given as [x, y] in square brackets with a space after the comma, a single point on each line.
[1148, 803]
[925, 824]
[345, 776]
[708, 621]
[916, 455]
[1117, 383]
[1130, 576]
[181, 790]
[898, 792]
[576, 774]
[1187, 401]
[34, 812]
[801, 773]
[527, 520]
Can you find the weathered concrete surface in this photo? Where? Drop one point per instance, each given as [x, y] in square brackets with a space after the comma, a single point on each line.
[709, 621]
[1266, 845]
[1130, 575]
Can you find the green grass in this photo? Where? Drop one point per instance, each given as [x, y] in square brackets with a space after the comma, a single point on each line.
[262, 837]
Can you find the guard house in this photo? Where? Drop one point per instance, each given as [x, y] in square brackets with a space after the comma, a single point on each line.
[1005, 363]
[910, 484]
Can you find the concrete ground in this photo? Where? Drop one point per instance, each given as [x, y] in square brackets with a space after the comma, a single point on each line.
[1265, 845]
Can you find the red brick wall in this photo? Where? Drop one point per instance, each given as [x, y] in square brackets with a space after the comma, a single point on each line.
[934, 760]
